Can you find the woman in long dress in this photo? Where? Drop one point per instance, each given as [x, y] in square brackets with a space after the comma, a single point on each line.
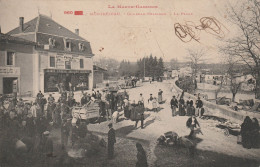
[155, 104]
[160, 96]
[150, 102]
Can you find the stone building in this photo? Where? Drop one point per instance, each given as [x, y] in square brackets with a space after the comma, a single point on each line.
[16, 65]
[61, 59]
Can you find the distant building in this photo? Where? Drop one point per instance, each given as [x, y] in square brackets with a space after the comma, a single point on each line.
[175, 73]
[185, 71]
[99, 74]
[61, 59]
[17, 67]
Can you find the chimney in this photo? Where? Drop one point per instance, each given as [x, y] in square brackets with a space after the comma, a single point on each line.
[21, 24]
[77, 31]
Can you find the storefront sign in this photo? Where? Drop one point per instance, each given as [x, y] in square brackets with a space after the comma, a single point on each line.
[67, 71]
[10, 70]
[60, 62]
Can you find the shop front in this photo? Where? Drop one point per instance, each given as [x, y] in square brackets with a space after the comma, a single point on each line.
[57, 80]
[9, 80]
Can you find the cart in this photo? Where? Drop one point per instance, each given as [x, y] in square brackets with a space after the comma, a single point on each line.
[230, 129]
[87, 112]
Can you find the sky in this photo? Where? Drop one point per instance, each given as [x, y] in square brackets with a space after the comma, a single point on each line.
[124, 36]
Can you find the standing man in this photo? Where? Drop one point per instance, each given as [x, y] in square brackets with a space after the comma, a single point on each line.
[111, 141]
[139, 115]
[199, 105]
[98, 95]
[65, 131]
[174, 105]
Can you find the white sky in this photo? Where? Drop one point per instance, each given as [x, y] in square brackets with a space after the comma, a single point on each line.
[125, 37]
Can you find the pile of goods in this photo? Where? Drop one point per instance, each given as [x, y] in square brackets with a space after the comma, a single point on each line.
[88, 146]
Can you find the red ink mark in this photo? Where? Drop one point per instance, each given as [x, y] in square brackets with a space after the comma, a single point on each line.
[78, 12]
[68, 12]
[101, 49]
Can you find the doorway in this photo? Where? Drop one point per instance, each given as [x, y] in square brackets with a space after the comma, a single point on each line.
[10, 85]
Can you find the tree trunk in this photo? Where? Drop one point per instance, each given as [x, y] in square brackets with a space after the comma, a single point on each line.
[195, 84]
[233, 97]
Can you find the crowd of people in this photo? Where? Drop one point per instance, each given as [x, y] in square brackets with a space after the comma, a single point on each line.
[182, 108]
[23, 124]
[32, 122]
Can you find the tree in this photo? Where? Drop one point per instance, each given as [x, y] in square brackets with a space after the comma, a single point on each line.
[195, 57]
[160, 67]
[127, 69]
[235, 84]
[151, 66]
[246, 44]
[110, 64]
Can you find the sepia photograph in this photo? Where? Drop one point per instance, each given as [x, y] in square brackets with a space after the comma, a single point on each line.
[129, 83]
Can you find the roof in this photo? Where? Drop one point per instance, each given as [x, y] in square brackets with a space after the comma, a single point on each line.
[97, 68]
[45, 24]
[10, 39]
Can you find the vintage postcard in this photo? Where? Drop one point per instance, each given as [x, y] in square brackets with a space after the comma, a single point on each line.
[123, 83]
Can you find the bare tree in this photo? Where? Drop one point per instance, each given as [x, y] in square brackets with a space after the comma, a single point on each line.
[195, 57]
[246, 45]
[235, 84]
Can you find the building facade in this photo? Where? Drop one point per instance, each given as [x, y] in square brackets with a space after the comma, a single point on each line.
[15, 76]
[62, 59]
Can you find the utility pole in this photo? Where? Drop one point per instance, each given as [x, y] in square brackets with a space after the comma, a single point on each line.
[144, 68]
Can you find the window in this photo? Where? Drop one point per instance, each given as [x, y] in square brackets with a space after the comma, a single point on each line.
[81, 46]
[81, 63]
[67, 65]
[52, 61]
[67, 44]
[10, 59]
[51, 42]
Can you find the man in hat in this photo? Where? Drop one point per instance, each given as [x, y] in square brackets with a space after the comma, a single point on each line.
[98, 95]
[111, 141]
[84, 99]
[174, 105]
[39, 94]
[199, 105]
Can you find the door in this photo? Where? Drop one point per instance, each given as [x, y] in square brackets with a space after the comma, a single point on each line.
[10, 85]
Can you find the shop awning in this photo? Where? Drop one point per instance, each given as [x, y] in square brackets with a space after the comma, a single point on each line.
[66, 71]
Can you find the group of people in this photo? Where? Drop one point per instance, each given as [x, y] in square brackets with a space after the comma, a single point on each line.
[24, 123]
[186, 108]
[250, 133]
